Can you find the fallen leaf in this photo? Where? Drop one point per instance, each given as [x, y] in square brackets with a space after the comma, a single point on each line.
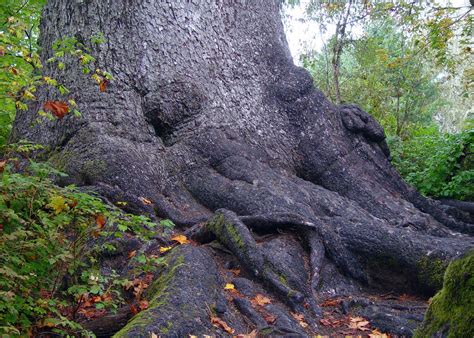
[153, 335]
[145, 201]
[270, 319]
[330, 302]
[165, 248]
[359, 323]
[300, 318]
[103, 85]
[143, 304]
[253, 334]
[260, 300]
[325, 322]
[377, 334]
[229, 286]
[100, 221]
[132, 254]
[217, 322]
[181, 239]
[133, 309]
[57, 108]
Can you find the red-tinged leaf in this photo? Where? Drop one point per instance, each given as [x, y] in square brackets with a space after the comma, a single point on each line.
[100, 221]
[143, 304]
[57, 108]
[331, 302]
[133, 309]
[270, 319]
[72, 204]
[3, 163]
[325, 322]
[103, 85]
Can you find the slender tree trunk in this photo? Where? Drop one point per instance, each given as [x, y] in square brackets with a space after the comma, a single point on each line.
[209, 119]
[339, 43]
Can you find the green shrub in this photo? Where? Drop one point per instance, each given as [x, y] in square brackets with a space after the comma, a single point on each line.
[47, 263]
[438, 165]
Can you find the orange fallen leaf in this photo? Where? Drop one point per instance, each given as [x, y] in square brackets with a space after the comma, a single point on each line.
[132, 253]
[103, 85]
[359, 323]
[181, 239]
[145, 201]
[217, 322]
[300, 318]
[330, 302]
[260, 300]
[100, 220]
[57, 108]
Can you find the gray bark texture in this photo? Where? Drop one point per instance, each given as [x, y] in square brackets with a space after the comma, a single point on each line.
[208, 118]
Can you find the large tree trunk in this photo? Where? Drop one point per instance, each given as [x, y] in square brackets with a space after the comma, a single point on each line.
[207, 111]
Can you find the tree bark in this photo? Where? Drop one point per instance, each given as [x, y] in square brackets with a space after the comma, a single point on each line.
[207, 111]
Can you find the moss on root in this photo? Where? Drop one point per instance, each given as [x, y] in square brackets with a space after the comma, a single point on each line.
[158, 295]
[451, 313]
[431, 272]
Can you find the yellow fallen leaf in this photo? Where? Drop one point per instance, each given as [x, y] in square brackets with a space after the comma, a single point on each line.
[165, 248]
[181, 239]
[229, 286]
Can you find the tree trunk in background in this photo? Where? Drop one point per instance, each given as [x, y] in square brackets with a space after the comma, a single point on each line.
[207, 112]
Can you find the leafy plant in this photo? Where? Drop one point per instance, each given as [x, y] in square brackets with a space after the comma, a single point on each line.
[51, 242]
[437, 164]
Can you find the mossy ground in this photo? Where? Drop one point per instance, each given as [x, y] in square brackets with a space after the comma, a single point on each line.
[451, 312]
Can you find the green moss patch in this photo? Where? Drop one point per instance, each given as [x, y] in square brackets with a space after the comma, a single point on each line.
[451, 312]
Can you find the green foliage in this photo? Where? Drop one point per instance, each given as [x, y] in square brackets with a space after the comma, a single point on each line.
[19, 59]
[21, 74]
[437, 164]
[51, 242]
